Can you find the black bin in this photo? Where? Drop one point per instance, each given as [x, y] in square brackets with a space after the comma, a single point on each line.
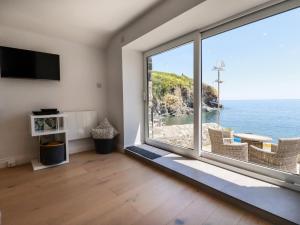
[52, 153]
[104, 146]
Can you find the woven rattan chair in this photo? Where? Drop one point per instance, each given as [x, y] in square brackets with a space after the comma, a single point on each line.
[283, 156]
[222, 144]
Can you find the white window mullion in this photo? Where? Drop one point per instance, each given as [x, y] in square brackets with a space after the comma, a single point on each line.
[197, 93]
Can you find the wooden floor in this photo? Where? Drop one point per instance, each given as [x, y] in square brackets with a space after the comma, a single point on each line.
[109, 189]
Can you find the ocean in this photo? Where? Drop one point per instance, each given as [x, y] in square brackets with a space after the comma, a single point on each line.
[273, 118]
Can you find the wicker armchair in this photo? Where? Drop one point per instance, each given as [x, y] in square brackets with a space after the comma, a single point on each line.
[283, 156]
[222, 144]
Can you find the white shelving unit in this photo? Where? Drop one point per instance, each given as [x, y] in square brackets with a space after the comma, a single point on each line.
[58, 131]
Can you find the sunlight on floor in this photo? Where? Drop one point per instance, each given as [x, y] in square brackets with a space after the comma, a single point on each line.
[207, 171]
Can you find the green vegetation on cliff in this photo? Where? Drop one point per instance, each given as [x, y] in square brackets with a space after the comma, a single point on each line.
[165, 83]
[173, 94]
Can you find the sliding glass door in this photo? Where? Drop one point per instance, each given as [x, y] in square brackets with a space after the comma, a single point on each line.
[170, 95]
[231, 94]
[250, 83]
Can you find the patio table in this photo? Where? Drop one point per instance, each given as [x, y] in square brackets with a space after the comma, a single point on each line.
[253, 139]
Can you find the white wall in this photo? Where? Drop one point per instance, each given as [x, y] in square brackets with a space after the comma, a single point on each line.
[154, 18]
[81, 67]
[133, 97]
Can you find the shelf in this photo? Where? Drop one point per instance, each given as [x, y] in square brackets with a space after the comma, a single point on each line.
[56, 126]
[48, 132]
[49, 116]
[36, 165]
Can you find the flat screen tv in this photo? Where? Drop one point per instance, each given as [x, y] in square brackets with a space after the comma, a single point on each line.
[19, 63]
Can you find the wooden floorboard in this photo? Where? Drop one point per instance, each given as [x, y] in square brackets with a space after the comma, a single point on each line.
[111, 189]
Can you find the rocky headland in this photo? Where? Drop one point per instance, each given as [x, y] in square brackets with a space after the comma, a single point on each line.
[173, 95]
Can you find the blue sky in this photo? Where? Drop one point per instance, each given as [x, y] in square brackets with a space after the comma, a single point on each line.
[262, 59]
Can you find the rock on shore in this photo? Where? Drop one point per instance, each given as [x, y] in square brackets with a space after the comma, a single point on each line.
[182, 135]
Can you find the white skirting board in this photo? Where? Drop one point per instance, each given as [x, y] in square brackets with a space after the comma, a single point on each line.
[17, 160]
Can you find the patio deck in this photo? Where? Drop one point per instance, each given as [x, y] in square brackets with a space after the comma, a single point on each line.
[182, 135]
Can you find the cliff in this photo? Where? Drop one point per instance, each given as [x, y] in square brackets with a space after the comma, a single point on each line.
[173, 94]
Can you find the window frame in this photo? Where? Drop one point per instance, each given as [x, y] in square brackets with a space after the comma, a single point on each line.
[194, 38]
[264, 11]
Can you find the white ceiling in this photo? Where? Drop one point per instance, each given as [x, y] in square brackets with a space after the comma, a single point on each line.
[204, 14]
[91, 22]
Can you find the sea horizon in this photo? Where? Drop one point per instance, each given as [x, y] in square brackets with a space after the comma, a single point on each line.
[275, 118]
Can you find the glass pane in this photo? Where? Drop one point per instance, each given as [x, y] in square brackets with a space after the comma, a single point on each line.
[256, 68]
[170, 96]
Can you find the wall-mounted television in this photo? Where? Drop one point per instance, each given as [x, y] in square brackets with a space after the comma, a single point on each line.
[20, 63]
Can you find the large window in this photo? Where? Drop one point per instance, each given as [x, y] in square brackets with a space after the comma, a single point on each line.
[253, 73]
[170, 96]
[249, 107]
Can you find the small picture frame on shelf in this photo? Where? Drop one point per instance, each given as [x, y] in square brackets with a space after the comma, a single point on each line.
[50, 124]
[39, 124]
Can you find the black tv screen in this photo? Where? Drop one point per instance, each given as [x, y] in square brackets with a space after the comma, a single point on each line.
[19, 63]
